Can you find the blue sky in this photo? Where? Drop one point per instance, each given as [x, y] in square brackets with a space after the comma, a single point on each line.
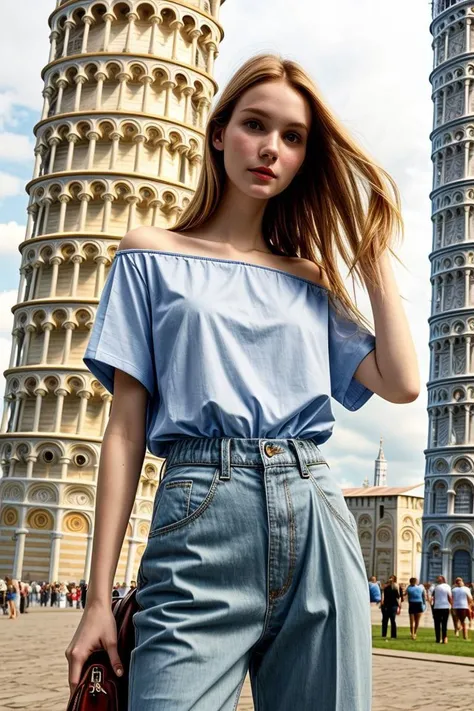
[371, 61]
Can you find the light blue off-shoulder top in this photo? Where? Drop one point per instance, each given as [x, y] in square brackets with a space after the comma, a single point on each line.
[225, 348]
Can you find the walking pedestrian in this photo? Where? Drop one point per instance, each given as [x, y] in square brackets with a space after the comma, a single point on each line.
[462, 602]
[391, 607]
[443, 600]
[416, 604]
[245, 337]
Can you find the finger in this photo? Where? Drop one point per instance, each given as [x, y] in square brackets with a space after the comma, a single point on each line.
[114, 658]
[76, 662]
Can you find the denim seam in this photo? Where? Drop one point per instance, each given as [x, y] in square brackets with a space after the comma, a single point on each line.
[330, 506]
[195, 515]
[292, 557]
[236, 702]
[239, 464]
[182, 484]
[180, 463]
[269, 603]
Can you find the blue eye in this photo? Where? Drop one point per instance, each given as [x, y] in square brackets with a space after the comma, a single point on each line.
[246, 123]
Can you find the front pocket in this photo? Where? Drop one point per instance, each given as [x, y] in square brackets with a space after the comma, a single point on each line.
[185, 493]
[331, 494]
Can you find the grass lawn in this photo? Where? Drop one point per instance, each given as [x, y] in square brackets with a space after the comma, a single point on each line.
[425, 641]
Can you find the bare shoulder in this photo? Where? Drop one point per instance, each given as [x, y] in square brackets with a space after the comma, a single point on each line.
[307, 269]
[147, 238]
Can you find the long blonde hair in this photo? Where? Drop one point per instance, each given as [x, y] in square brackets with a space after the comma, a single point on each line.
[321, 214]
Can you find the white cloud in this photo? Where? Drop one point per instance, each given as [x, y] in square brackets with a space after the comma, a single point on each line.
[11, 235]
[23, 86]
[15, 147]
[7, 301]
[10, 185]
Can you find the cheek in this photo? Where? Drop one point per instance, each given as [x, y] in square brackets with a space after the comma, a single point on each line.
[242, 144]
[293, 161]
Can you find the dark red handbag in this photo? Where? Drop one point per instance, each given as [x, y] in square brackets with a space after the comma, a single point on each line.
[100, 689]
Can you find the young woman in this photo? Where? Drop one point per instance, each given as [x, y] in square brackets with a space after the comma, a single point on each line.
[416, 604]
[222, 342]
[391, 606]
[11, 596]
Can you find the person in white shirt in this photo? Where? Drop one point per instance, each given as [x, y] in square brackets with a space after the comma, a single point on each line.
[462, 601]
[443, 600]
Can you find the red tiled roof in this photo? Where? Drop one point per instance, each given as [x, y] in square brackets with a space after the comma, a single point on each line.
[380, 490]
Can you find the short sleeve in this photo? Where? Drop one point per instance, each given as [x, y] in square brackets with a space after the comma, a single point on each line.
[349, 343]
[121, 336]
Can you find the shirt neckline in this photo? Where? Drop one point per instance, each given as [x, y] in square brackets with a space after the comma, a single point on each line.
[225, 261]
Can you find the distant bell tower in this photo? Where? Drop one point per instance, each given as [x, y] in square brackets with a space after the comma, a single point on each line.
[127, 92]
[380, 475]
[448, 520]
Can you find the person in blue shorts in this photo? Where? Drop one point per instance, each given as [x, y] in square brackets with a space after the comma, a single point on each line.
[416, 604]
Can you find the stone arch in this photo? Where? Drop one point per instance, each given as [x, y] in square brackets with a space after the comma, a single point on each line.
[40, 520]
[12, 491]
[384, 534]
[143, 529]
[460, 536]
[43, 494]
[80, 496]
[10, 516]
[75, 522]
[439, 496]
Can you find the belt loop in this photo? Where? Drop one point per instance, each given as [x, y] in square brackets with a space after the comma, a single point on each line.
[225, 459]
[304, 471]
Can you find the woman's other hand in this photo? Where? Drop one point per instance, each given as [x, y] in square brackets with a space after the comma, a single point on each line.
[96, 630]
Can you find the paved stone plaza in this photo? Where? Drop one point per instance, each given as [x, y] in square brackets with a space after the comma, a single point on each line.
[34, 671]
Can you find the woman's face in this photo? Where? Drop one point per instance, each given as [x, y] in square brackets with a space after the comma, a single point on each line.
[273, 140]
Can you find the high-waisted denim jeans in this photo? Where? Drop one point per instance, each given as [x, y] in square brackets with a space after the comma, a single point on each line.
[253, 563]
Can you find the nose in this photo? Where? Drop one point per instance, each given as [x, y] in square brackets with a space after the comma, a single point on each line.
[271, 146]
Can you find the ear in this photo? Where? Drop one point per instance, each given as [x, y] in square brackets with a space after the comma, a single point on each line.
[218, 138]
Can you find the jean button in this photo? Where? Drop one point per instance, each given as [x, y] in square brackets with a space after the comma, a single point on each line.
[271, 449]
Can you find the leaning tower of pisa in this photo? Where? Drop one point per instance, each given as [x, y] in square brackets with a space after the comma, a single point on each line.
[448, 521]
[127, 91]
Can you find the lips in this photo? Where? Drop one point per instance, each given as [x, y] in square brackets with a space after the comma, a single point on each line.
[262, 173]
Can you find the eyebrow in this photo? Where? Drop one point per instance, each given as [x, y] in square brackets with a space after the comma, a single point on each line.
[261, 112]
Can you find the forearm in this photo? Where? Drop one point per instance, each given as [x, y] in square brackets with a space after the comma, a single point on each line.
[119, 472]
[395, 353]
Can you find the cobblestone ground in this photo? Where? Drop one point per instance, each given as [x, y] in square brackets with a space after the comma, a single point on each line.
[34, 671]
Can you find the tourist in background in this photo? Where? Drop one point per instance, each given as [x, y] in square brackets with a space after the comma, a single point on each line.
[3, 596]
[442, 604]
[416, 604]
[375, 592]
[44, 595]
[391, 607]
[13, 592]
[83, 588]
[462, 602]
[54, 594]
[23, 587]
[62, 595]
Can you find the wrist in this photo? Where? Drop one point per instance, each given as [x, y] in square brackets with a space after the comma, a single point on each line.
[98, 602]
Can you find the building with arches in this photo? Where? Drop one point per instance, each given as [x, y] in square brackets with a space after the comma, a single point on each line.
[448, 521]
[389, 524]
[127, 92]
